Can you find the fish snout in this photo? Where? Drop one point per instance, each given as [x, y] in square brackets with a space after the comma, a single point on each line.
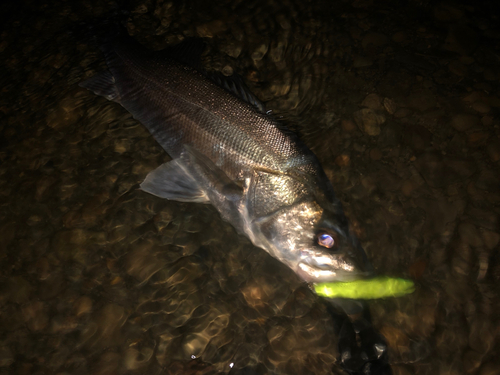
[326, 266]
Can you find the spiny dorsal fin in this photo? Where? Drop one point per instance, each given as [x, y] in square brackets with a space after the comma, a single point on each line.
[236, 86]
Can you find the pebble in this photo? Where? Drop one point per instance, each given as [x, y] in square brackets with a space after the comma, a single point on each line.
[481, 107]
[422, 100]
[457, 68]
[439, 213]
[211, 29]
[417, 137]
[483, 218]
[6, 356]
[19, 289]
[477, 138]
[439, 171]
[469, 234]
[35, 316]
[462, 39]
[487, 121]
[488, 180]
[489, 368]
[376, 154]
[83, 306]
[107, 364]
[369, 121]
[142, 263]
[343, 160]
[493, 150]
[463, 122]
[361, 62]
[135, 359]
[390, 106]
[375, 39]
[491, 239]
[400, 37]
[348, 126]
[372, 101]
[407, 188]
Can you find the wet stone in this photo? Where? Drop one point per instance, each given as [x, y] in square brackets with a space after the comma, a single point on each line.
[136, 359]
[469, 234]
[372, 101]
[417, 137]
[477, 139]
[7, 234]
[107, 364]
[399, 37]
[463, 122]
[82, 306]
[483, 218]
[361, 62]
[439, 171]
[488, 180]
[211, 29]
[422, 100]
[6, 356]
[62, 325]
[19, 289]
[142, 262]
[348, 126]
[491, 239]
[35, 316]
[481, 107]
[376, 154]
[461, 39]
[369, 121]
[457, 68]
[439, 213]
[109, 321]
[12, 318]
[342, 160]
[390, 106]
[487, 121]
[493, 150]
[375, 39]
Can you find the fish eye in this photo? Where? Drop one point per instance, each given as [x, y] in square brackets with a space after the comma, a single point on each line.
[325, 240]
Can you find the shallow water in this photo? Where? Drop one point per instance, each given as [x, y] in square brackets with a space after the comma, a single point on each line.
[400, 103]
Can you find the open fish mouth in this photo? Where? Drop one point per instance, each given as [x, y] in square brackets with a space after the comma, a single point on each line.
[318, 266]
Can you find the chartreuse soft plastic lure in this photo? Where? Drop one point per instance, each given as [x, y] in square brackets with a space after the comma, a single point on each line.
[379, 287]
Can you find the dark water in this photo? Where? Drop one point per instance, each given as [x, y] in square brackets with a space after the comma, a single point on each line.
[400, 101]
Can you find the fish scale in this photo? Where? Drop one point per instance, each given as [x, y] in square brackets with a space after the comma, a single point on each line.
[224, 115]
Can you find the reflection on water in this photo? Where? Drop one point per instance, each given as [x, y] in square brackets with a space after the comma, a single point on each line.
[98, 277]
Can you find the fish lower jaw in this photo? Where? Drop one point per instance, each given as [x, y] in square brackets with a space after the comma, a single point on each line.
[315, 275]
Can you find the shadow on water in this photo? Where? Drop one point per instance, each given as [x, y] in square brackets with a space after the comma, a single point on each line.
[98, 277]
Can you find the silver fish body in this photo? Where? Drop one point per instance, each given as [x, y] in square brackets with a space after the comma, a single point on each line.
[259, 176]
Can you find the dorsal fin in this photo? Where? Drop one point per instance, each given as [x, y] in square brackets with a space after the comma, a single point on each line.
[189, 52]
[236, 86]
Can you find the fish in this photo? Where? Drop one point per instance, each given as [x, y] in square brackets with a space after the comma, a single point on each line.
[228, 151]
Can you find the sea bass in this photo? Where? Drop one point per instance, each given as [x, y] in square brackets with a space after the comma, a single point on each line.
[228, 152]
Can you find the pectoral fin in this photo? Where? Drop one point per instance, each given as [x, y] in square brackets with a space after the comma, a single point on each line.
[172, 181]
[225, 194]
[209, 176]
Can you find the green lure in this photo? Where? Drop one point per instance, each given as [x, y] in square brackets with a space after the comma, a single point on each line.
[379, 287]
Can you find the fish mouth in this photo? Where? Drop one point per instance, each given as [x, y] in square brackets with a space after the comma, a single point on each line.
[315, 274]
[317, 267]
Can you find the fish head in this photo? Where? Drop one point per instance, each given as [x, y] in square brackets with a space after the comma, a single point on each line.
[335, 254]
[316, 244]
